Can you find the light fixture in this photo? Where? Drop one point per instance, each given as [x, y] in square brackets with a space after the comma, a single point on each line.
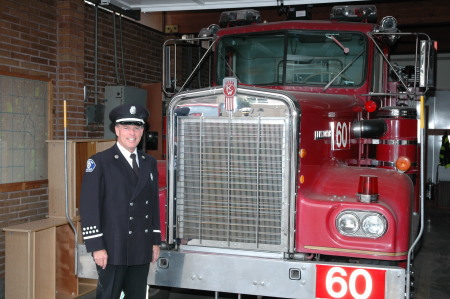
[354, 13]
[208, 32]
[367, 189]
[361, 224]
[370, 106]
[374, 225]
[403, 164]
[347, 223]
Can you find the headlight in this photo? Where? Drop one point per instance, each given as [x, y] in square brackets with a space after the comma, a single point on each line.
[363, 224]
[347, 223]
[374, 225]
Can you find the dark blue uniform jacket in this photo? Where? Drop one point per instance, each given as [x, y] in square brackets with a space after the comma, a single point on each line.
[119, 211]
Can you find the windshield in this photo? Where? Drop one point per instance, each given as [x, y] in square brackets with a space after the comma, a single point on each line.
[313, 58]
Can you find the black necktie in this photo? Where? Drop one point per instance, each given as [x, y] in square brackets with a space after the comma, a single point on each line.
[135, 166]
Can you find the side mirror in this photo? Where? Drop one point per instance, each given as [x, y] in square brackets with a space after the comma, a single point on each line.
[428, 61]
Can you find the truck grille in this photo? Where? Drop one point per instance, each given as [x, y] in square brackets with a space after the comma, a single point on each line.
[231, 182]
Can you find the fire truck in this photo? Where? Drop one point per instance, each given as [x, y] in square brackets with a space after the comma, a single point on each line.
[297, 171]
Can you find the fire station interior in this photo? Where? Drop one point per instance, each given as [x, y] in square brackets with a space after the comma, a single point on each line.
[37, 218]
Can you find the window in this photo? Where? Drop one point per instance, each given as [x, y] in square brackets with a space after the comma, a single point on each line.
[310, 58]
[24, 129]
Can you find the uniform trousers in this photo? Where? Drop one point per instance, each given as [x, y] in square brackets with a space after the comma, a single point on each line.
[112, 280]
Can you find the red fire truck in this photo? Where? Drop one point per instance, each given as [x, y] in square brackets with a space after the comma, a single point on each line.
[306, 180]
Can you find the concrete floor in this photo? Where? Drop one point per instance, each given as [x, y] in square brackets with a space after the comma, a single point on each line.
[431, 265]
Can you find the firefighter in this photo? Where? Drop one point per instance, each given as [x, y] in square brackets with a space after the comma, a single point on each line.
[119, 209]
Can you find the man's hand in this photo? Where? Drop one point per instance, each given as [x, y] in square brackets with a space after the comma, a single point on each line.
[156, 250]
[101, 258]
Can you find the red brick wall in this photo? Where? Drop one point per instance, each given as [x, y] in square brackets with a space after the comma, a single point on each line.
[54, 40]
[27, 48]
[142, 57]
[70, 70]
[23, 206]
[28, 37]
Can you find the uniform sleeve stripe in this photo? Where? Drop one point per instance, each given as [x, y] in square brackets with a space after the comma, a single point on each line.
[93, 236]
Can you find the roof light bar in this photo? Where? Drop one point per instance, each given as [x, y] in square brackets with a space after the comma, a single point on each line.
[239, 18]
[354, 13]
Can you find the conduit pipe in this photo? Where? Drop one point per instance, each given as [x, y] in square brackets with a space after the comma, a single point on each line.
[66, 184]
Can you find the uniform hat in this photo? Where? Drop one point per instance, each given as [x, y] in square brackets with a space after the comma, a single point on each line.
[127, 114]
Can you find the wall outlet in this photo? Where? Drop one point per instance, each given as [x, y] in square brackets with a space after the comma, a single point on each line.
[171, 29]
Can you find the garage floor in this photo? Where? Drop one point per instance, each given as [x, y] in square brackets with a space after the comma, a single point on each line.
[432, 263]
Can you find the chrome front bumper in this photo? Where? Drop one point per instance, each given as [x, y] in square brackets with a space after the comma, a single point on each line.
[252, 275]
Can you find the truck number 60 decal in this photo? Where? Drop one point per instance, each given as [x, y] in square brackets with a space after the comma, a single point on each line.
[340, 132]
[349, 283]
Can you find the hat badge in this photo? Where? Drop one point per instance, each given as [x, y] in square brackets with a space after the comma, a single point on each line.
[133, 110]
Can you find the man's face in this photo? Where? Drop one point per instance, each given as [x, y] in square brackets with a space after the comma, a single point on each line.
[129, 136]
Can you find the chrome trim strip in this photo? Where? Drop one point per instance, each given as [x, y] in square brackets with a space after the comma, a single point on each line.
[252, 253]
[388, 163]
[394, 142]
[392, 254]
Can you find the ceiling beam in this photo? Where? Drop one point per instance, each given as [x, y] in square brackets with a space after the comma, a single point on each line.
[155, 6]
[428, 16]
[125, 11]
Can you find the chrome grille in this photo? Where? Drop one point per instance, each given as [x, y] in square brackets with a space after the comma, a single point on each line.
[231, 182]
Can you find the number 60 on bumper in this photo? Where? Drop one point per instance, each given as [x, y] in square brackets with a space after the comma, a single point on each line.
[349, 282]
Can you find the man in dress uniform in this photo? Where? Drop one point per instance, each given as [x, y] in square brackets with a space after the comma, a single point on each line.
[119, 209]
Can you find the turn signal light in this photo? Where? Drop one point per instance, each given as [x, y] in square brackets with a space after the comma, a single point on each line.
[302, 153]
[403, 163]
[301, 179]
[368, 189]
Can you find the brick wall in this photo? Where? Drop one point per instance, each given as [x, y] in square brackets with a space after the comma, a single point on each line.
[22, 206]
[70, 70]
[27, 48]
[28, 37]
[54, 40]
[141, 63]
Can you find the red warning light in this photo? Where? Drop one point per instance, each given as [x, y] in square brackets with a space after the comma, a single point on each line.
[370, 106]
[368, 188]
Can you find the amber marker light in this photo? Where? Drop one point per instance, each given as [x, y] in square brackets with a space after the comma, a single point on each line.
[301, 179]
[367, 189]
[370, 106]
[403, 163]
[302, 153]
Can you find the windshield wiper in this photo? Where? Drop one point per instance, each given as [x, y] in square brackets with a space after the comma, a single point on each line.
[343, 70]
[230, 68]
[345, 49]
